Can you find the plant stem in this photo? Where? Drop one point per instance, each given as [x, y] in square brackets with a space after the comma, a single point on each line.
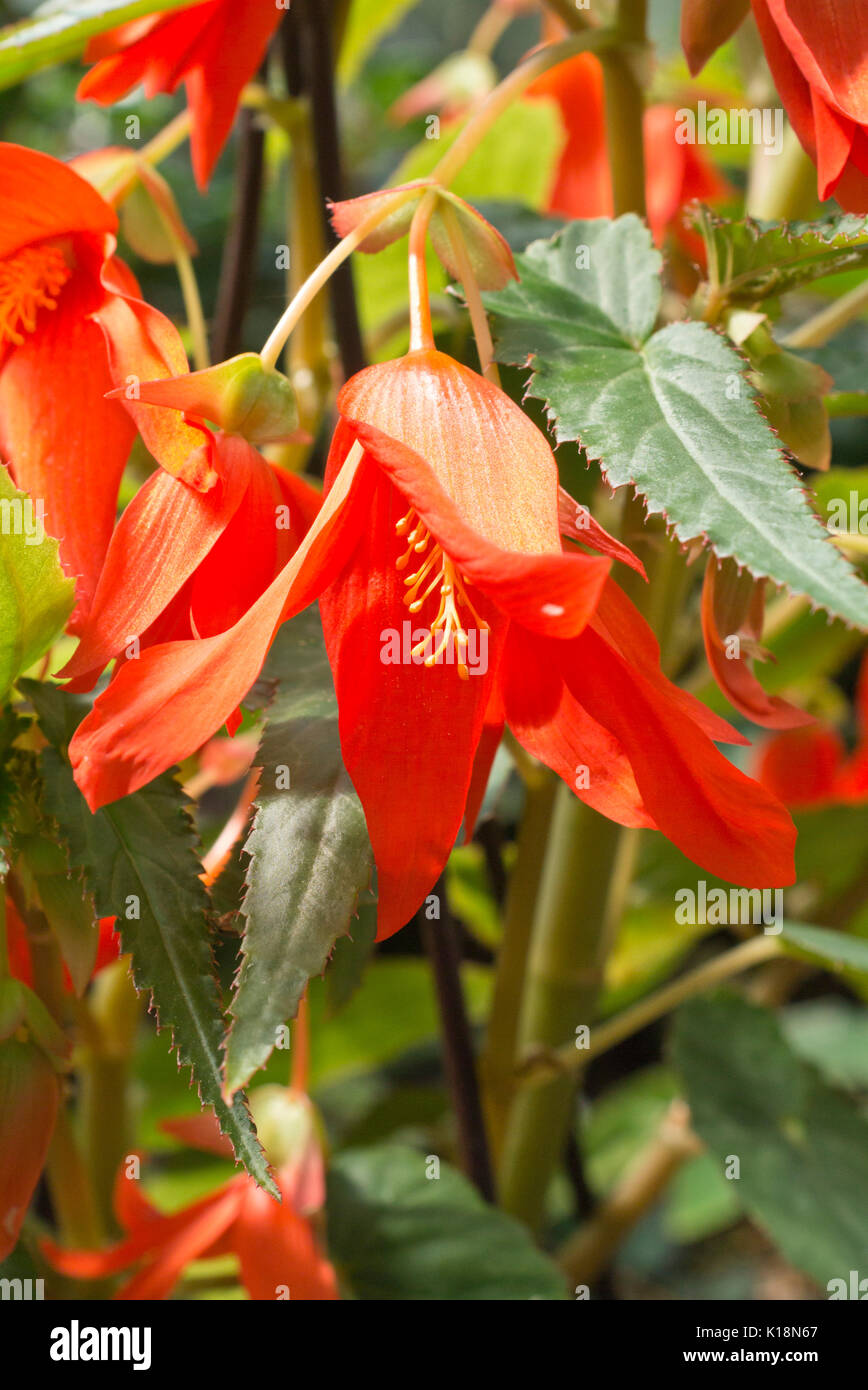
[585, 874]
[421, 332]
[323, 272]
[499, 1057]
[192, 300]
[470, 285]
[590, 1249]
[654, 1006]
[819, 328]
[840, 403]
[624, 112]
[114, 1010]
[239, 254]
[315, 22]
[782, 186]
[68, 1181]
[168, 139]
[444, 952]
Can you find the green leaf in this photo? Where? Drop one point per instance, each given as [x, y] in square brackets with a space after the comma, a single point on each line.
[669, 412]
[397, 1233]
[310, 856]
[833, 949]
[36, 597]
[60, 30]
[138, 855]
[749, 261]
[802, 1146]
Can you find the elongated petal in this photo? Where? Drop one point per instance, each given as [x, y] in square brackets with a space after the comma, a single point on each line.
[486, 751]
[577, 523]
[142, 344]
[732, 607]
[159, 709]
[622, 626]
[192, 1240]
[43, 198]
[550, 723]
[278, 1252]
[828, 40]
[482, 478]
[67, 445]
[164, 534]
[408, 732]
[719, 818]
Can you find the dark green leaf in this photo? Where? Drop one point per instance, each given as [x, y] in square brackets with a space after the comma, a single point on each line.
[139, 856]
[398, 1232]
[750, 261]
[310, 855]
[669, 412]
[802, 1146]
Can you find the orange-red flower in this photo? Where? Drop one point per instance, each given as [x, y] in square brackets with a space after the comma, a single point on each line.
[214, 48]
[807, 767]
[450, 605]
[65, 305]
[817, 52]
[675, 173]
[277, 1244]
[182, 566]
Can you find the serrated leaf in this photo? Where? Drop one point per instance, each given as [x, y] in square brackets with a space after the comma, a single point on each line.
[802, 1145]
[749, 261]
[141, 850]
[60, 30]
[397, 1234]
[310, 855]
[669, 412]
[36, 597]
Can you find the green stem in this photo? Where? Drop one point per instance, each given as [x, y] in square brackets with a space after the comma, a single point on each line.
[470, 285]
[69, 1183]
[819, 328]
[656, 1005]
[585, 876]
[501, 1045]
[625, 106]
[840, 403]
[114, 1010]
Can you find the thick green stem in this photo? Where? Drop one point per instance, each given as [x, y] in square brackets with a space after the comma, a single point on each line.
[585, 876]
[501, 1045]
[625, 105]
[114, 1011]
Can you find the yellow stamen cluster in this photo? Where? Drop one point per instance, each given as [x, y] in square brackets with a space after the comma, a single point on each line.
[434, 571]
[30, 280]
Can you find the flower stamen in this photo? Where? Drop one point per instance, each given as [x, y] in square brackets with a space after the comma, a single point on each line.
[447, 626]
[30, 280]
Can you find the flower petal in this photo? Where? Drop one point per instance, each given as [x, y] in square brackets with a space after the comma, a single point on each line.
[164, 534]
[43, 198]
[67, 445]
[394, 713]
[278, 1250]
[159, 709]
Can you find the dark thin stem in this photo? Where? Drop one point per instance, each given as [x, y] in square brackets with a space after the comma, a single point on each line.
[239, 254]
[442, 946]
[313, 25]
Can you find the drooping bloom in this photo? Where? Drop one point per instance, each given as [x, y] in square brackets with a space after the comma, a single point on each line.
[817, 53]
[449, 605]
[277, 1244]
[214, 48]
[675, 174]
[67, 307]
[183, 564]
[806, 767]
